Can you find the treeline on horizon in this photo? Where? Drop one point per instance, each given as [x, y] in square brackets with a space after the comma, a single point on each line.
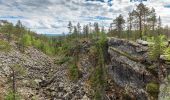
[141, 23]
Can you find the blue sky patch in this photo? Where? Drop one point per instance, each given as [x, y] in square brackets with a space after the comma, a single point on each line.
[137, 0]
[96, 0]
[11, 17]
[95, 18]
[102, 18]
[167, 6]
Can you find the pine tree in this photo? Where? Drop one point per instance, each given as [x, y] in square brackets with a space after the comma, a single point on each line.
[119, 24]
[129, 20]
[156, 49]
[153, 19]
[75, 32]
[96, 29]
[17, 71]
[159, 25]
[70, 27]
[19, 27]
[141, 14]
[86, 30]
[78, 29]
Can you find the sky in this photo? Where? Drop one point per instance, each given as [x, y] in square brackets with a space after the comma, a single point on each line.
[52, 16]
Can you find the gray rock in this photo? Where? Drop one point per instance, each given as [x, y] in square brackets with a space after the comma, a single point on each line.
[164, 89]
[142, 42]
[127, 72]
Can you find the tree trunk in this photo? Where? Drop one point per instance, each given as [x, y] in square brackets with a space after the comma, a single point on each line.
[153, 27]
[140, 26]
[13, 84]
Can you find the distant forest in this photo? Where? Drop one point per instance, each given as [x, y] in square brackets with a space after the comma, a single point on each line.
[141, 23]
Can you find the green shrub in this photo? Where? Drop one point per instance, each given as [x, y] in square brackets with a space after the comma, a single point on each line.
[156, 47]
[73, 72]
[63, 60]
[37, 43]
[97, 82]
[97, 95]
[26, 40]
[96, 77]
[152, 88]
[168, 77]
[10, 96]
[49, 50]
[4, 46]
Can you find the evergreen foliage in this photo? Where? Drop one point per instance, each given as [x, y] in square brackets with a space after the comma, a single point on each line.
[4, 46]
[97, 78]
[10, 96]
[119, 24]
[156, 47]
[26, 40]
[17, 71]
[73, 72]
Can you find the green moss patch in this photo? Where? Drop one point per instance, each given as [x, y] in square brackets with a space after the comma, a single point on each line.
[152, 88]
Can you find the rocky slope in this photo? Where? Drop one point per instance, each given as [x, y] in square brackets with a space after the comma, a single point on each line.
[44, 80]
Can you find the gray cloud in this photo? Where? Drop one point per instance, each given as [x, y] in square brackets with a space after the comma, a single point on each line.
[52, 16]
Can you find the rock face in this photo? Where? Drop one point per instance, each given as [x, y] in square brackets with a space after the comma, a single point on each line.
[126, 68]
[128, 46]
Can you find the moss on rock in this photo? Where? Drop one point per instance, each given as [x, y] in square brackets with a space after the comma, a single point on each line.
[152, 88]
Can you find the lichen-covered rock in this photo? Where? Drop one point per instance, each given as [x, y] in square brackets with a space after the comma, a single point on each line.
[127, 70]
[129, 47]
[164, 89]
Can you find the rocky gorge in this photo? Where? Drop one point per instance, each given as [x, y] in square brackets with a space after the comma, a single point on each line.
[130, 74]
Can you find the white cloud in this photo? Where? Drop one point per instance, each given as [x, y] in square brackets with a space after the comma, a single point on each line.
[52, 16]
